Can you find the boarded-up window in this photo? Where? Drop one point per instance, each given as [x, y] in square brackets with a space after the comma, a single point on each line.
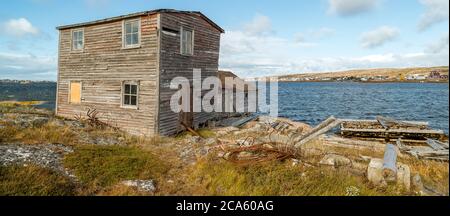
[75, 92]
[130, 94]
[187, 42]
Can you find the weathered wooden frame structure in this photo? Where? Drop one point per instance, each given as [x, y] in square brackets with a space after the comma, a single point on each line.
[104, 64]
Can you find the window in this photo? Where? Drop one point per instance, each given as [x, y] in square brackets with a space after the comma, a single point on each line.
[75, 92]
[78, 39]
[130, 94]
[187, 42]
[131, 34]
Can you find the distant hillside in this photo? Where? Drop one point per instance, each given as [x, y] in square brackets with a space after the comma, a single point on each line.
[386, 74]
[13, 90]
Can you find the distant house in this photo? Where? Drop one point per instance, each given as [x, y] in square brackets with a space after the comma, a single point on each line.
[436, 75]
[123, 66]
[416, 77]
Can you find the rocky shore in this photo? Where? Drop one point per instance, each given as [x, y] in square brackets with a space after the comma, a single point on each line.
[263, 140]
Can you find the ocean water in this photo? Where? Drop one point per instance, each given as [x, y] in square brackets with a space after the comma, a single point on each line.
[315, 102]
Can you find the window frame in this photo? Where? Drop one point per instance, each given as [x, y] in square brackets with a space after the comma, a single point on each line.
[182, 30]
[72, 40]
[124, 34]
[69, 100]
[122, 95]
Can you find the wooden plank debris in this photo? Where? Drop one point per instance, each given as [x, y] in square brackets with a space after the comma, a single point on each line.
[369, 121]
[414, 134]
[195, 133]
[243, 121]
[339, 142]
[320, 129]
[387, 122]
[424, 152]
[437, 145]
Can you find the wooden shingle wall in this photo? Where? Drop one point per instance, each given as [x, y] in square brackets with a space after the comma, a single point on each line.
[173, 64]
[102, 67]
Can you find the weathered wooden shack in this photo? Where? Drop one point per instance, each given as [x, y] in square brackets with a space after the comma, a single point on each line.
[123, 66]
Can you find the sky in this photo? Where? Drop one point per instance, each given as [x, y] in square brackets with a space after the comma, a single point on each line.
[262, 38]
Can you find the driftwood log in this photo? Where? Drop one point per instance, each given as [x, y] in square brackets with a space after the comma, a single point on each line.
[390, 163]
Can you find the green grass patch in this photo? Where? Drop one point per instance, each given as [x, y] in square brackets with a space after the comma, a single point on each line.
[108, 165]
[33, 181]
[278, 179]
[206, 133]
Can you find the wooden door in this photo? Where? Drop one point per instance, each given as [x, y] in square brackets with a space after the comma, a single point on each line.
[187, 118]
[75, 92]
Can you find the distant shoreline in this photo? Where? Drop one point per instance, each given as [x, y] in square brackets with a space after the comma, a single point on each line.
[334, 81]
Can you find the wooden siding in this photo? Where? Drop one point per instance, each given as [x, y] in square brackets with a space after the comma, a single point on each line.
[173, 64]
[102, 67]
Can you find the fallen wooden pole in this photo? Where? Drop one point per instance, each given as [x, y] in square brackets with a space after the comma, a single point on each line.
[191, 130]
[322, 128]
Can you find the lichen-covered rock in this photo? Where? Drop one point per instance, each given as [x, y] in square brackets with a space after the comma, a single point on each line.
[210, 141]
[142, 185]
[39, 121]
[417, 184]
[404, 176]
[375, 172]
[47, 156]
[335, 160]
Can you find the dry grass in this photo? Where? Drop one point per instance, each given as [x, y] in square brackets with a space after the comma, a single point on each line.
[33, 181]
[48, 133]
[434, 174]
[215, 177]
[19, 103]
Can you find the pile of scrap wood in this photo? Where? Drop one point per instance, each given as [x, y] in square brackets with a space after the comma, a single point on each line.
[283, 140]
[435, 150]
[412, 137]
[389, 129]
[357, 134]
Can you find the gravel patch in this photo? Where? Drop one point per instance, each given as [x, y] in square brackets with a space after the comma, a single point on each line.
[47, 156]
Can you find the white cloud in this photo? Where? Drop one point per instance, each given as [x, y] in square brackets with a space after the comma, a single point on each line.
[18, 28]
[378, 37]
[27, 66]
[436, 11]
[260, 25]
[438, 46]
[351, 7]
[256, 55]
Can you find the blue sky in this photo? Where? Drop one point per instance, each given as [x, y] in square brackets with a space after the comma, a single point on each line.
[262, 37]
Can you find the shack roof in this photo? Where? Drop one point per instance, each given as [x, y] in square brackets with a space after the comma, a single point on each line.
[245, 86]
[196, 13]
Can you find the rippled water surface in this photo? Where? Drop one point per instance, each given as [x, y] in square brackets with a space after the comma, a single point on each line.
[314, 102]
